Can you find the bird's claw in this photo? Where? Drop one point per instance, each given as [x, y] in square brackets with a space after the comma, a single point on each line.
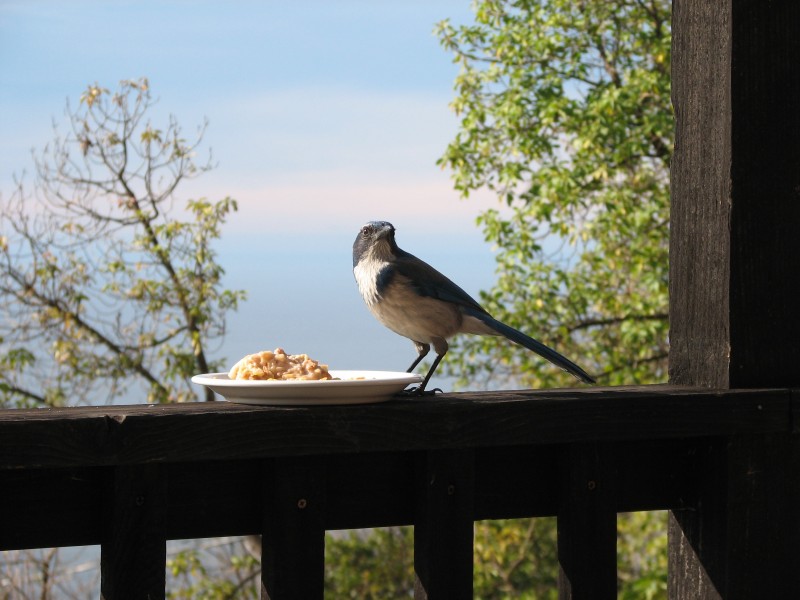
[416, 391]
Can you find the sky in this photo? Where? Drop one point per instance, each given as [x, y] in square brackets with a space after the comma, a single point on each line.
[322, 116]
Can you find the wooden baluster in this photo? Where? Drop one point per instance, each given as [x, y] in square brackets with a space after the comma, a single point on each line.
[293, 555]
[587, 524]
[134, 547]
[444, 525]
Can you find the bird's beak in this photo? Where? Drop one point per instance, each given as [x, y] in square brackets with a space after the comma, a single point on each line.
[384, 232]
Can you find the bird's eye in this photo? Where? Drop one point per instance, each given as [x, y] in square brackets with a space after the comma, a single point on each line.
[365, 231]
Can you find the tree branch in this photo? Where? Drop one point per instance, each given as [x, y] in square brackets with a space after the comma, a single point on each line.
[11, 388]
[28, 289]
[587, 323]
[634, 364]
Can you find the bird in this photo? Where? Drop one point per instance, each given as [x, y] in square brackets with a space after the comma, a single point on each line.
[416, 301]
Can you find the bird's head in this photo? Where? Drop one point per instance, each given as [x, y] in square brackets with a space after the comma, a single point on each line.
[376, 238]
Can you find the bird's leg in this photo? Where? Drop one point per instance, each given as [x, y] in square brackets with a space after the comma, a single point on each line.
[420, 391]
[440, 347]
[422, 352]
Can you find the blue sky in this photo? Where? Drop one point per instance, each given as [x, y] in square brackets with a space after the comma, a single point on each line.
[323, 115]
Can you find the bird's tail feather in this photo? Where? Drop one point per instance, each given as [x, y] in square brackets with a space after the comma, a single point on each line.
[534, 345]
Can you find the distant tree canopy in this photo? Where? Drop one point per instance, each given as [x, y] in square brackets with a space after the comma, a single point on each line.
[102, 282]
[565, 114]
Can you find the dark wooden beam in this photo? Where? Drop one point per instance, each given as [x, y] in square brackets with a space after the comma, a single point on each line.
[765, 193]
[220, 498]
[133, 552]
[699, 250]
[108, 436]
[293, 542]
[443, 525]
[734, 264]
[43, 508]
[587, 524]
[734, 259]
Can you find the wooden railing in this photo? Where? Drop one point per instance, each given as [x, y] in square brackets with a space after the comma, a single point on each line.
[132, 477]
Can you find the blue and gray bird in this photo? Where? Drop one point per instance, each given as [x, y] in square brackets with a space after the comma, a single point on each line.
[416, 301]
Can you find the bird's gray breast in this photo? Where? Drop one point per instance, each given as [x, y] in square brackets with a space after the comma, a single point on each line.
[420, 318]
[394, 301]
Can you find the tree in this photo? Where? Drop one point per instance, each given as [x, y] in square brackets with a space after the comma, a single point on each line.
[565, 114]
[101, 284]
[516, 559]
[367, 564]
[215, 569]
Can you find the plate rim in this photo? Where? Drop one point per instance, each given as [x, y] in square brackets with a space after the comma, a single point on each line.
[310, 392]
[388, 377]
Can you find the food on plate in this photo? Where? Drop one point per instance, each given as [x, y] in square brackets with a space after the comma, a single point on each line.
[279, 365]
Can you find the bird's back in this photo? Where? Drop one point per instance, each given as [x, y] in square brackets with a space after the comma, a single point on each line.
[431, 283]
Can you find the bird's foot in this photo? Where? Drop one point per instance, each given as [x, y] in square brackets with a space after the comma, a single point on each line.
[416, 391]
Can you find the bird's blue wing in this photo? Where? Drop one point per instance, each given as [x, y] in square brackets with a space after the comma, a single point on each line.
[427, 281]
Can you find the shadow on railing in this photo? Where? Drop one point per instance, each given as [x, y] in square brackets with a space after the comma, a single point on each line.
[132, 477]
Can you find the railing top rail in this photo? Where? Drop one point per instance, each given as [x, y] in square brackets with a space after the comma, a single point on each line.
[137, 434]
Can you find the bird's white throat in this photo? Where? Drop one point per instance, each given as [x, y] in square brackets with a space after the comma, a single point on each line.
[366, 272]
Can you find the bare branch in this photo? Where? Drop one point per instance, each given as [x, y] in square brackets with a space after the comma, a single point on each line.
[93, 265]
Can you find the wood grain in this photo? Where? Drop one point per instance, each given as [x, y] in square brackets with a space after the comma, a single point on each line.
[700, 185]
[80, 437]
[76, 476]
[734, 264]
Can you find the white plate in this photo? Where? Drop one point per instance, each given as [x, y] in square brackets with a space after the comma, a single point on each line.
[350, 387]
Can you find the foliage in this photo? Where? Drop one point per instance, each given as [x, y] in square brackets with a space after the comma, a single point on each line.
[642, 555]
[101, 283]
[214, 570]
[516, 559]
[374, 563]
[565, 114]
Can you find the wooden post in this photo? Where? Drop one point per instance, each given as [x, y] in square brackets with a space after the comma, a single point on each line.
[587, 525]
[734, 264]
[293, 543]
[134, 548]
[699, 251]
[444, 525]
